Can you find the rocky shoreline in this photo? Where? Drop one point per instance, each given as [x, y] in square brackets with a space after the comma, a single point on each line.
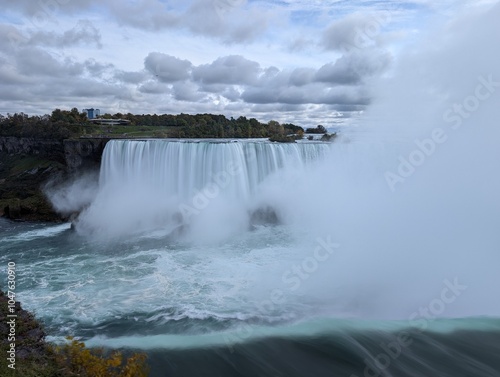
[28, 165]
[29, 336]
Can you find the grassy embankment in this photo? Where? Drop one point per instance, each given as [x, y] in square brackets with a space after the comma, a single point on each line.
[128, 131]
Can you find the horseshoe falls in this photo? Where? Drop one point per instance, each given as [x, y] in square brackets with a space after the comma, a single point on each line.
[192, 186]
[180, 168]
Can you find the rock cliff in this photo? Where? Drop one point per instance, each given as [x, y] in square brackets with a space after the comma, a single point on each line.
[83, 154]
[27, 164]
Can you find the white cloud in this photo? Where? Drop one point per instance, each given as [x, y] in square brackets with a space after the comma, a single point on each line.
[83, 33]
[313, 61]
[233, 69]
[167, 68]
[354, 66]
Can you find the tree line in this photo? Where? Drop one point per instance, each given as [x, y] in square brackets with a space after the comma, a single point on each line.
[62, 124]
[209, 125]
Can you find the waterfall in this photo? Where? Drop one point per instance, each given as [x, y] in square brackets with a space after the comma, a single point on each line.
[181, 168]
[151, 184]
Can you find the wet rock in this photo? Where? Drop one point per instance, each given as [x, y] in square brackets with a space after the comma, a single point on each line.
[13, 210]
[264, 216]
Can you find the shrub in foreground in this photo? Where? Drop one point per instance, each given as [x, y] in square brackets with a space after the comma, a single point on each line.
[77, 360]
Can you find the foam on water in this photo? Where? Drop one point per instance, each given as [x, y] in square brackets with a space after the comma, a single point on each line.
[44, 232]
[156, 282]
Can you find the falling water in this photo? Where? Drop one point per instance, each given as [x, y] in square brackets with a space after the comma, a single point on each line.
[212, 186]
[183, 168]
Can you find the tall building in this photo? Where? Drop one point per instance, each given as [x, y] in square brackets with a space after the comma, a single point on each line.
[92, 113]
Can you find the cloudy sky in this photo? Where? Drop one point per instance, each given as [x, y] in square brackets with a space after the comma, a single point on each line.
[300, 61]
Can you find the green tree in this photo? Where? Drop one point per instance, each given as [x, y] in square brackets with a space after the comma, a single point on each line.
[275, 128]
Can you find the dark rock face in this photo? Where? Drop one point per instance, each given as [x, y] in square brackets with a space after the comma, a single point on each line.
[13, 209]
[27, 164]
[264, 216]
[74, 153]
[42, 148]
[83, 153]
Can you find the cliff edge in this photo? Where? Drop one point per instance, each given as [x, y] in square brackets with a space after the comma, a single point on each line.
[27, 165]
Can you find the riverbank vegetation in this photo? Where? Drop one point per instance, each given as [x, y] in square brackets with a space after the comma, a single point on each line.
[35, 357]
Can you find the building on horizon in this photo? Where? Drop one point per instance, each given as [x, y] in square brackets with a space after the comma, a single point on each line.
[92, 113]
